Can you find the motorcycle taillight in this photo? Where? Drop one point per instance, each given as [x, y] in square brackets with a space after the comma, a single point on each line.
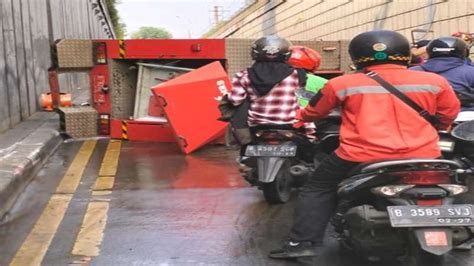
[270, 135]
[429, 202]
[276, 136]
[273, 142]
[428, 177]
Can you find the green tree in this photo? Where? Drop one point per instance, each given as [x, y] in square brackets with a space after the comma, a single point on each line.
[119, 27]
[151, 33]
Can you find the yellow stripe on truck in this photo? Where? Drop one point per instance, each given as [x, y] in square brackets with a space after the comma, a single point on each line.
[122, 48]
[124, 130]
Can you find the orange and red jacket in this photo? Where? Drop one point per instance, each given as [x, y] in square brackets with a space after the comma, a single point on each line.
[376, 125]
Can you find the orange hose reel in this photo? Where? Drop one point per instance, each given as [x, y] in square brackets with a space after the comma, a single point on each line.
[46, 101]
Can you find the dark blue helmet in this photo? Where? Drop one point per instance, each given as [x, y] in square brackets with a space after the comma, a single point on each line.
[447, 47]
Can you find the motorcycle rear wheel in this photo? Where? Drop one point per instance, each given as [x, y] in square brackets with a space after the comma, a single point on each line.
[278, 191]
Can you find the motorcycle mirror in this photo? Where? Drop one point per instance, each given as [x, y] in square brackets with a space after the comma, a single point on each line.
[464, 171]
[464, 131]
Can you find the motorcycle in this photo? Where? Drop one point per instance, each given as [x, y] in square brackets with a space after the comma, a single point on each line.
[458, 145]
[409, 207]
[278, 160]
[404, 207]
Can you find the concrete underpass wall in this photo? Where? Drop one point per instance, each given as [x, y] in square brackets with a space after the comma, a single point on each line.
[27, 27]
[342, 19]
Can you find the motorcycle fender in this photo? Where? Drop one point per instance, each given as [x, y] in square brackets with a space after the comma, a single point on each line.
[268, 168]
[434, 240]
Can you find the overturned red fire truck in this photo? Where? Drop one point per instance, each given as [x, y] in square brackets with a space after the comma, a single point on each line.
[184, 75]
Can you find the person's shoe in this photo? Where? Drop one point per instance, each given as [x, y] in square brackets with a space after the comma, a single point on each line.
[294, 250]
[241, 159]
[244, 170]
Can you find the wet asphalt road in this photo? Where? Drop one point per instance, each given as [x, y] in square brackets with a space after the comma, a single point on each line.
[166, 209]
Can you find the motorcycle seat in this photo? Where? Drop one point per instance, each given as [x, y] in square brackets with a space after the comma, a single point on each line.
[404, 164]
[275, 127]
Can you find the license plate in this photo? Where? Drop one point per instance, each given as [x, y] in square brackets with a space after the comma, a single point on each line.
[271, 150]
[422, 216]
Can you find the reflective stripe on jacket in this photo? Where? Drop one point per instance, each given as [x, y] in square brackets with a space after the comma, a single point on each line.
[376, 125]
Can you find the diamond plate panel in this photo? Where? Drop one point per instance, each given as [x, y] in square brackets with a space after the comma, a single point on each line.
[237, 52]
[123, 79]
[335, 57]
[74, 54]
[346, 61]
[78, 121]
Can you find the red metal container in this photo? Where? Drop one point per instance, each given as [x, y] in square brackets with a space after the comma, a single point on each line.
[191, 108]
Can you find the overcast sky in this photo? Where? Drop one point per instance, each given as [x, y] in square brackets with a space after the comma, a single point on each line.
[183, 18]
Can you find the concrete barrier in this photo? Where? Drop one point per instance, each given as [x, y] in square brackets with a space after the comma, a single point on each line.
[19, 161]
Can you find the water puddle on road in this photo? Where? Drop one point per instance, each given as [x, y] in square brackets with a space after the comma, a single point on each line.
[162, 165]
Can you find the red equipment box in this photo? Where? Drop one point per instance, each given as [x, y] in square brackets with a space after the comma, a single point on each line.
[190, 105]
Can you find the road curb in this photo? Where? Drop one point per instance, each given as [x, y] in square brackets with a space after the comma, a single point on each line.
[21, 160]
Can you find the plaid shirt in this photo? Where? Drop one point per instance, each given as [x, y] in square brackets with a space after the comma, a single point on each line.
[279, 106]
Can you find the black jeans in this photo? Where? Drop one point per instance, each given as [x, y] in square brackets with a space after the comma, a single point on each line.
[317, 200]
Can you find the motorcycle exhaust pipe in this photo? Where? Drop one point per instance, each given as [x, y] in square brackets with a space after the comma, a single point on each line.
[299, 170]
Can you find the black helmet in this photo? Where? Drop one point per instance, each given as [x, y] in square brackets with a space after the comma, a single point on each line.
[379, 47]
[447, 47]
[271, 48]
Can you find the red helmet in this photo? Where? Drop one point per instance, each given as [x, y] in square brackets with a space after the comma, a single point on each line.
[304, 57]
[465, 36]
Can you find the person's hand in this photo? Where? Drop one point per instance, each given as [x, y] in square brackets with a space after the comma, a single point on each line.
[299, 120]
[222, 88]
[298, 124]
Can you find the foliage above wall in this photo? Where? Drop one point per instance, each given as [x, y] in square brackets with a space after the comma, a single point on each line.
[119, 27]
[147, 32]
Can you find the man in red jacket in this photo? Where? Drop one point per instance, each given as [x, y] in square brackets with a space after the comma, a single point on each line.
[376, 125]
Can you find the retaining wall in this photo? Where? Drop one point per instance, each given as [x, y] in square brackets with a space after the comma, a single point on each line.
[332, 20]
[27, 28]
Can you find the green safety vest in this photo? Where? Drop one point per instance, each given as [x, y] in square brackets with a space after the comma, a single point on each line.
[313, 84]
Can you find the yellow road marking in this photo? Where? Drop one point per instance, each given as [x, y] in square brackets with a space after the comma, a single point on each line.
[81, 262]
[90, 236]
[92, 230]
[36, 245]
[73, 175]
[101, 193]
[110, 162]
[108, 169]
[104, 183]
